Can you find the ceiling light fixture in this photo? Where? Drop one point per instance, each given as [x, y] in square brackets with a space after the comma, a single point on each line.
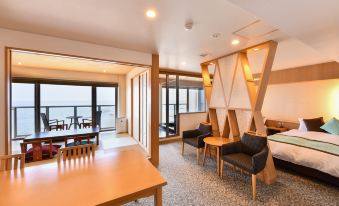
[211, 63]
[256, 49]
[104, 71]
[235, 42]
[189, 25]
[19, 63]
[150, 13]
[216, 35]
[183, 63]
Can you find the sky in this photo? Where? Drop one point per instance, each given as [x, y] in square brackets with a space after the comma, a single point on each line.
[53, 95]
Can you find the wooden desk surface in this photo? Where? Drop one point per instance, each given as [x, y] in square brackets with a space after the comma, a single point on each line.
[107, 179]
[63, 133]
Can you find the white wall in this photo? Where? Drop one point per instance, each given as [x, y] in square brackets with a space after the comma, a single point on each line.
[24, 40]
[189, 121]
[303, 99]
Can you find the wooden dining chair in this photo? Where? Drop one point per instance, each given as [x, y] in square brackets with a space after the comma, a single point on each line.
[39, 151]
[11, 162]
[79, 151]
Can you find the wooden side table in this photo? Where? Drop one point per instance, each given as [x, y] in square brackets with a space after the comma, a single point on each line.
[275, 130]
[216, 142]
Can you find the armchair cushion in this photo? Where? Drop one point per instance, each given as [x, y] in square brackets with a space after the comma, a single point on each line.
[191, 133]
[240, 160]
[252, 144]
[230, 148]
[259, 160]
[205, 128]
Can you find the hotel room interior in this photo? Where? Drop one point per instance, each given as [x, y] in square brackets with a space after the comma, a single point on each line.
[146, 102]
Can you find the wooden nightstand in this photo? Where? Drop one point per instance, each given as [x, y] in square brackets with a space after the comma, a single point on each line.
[275, 130]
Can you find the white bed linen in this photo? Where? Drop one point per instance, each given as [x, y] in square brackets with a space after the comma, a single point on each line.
[308, 157]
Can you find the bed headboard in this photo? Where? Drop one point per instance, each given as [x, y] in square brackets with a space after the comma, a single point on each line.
[276, 123]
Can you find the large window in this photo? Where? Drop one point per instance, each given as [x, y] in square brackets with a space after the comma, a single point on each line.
[191, 95]
[23, 116]
[66, 102]
[178, 94]
[62, 101]
[106, 103]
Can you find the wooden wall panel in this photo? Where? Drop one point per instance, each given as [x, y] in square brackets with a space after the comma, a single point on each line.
[314, 72]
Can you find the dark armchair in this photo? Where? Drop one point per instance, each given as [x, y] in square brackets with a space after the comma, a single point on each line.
[248, 154]
[196, 137]
[52, 124]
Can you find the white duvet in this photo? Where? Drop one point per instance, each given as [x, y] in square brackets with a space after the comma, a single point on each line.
[308, 157]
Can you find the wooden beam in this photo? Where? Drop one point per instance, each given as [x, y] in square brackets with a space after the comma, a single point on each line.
[265, 75]
[8, 122]
[154, 120]
[323, 71]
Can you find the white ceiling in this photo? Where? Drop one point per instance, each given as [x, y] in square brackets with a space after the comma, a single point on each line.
[46, 61]
[122, 23]
[313, 22]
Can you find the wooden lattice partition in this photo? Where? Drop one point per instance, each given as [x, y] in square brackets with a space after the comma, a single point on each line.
[235, 90]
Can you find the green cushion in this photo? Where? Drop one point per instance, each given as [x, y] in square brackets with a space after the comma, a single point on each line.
[331, 126]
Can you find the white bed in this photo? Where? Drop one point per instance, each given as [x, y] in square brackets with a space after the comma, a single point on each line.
[319, 160]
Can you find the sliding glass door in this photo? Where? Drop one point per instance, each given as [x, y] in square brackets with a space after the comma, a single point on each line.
[71, 103]
[178, 94]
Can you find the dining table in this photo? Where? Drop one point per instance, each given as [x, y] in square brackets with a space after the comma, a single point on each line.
[113, 178]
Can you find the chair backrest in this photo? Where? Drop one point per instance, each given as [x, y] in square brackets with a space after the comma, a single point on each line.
[98, 118]
[85, 150]
[11, 162]
[252, 144]
[45, 121]
[37, 149]
[205, 128]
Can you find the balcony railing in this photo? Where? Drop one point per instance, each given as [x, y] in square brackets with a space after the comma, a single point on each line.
[23, 116]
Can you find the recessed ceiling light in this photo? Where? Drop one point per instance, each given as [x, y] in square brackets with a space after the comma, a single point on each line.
[150, 13]
[104, 71]
[211, 63]
[255, 49]
[183, 63]
[19, 63]
[235, 42]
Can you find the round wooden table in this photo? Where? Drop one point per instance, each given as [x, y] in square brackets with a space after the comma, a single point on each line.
[216, 142]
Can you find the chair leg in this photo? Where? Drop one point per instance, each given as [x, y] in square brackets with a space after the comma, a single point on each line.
[254, 182]
[198, 155]
[182, 148]
[203, 161]
[222, 169]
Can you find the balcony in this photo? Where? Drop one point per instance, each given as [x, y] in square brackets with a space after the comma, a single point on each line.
[23, 123]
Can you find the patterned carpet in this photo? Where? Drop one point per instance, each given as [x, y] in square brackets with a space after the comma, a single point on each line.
[192, 184]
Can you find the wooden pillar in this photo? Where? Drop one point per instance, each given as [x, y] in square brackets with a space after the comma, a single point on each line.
[154, 120]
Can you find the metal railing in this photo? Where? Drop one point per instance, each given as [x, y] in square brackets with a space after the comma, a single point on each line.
[23, 119]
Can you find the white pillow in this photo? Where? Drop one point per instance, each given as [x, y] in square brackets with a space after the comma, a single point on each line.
[302, 126]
